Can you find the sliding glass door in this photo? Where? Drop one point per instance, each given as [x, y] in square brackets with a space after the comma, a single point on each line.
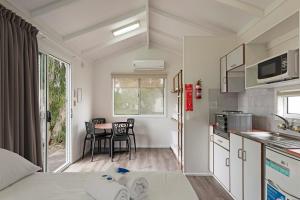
[55, 109]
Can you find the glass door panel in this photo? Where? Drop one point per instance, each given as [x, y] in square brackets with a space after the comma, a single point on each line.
[55, 112]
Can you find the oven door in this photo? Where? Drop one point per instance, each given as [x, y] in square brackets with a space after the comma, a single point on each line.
[272, 68]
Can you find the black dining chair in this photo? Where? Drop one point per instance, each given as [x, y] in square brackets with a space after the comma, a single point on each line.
[101, 132]
[91, 136]
[131, 133]
[120, 133]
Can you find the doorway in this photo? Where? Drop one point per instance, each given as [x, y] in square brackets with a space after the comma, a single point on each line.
[55, 109]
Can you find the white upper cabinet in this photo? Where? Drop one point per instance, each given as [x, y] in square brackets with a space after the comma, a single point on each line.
[236, 58]
[223, 80]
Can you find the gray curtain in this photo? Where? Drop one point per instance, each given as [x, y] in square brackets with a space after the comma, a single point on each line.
[19, 87]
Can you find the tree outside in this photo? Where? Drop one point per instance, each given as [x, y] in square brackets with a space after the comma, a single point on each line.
[57, 104]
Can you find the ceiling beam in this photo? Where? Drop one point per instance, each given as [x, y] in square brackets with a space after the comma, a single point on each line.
[206, 26]
[115, 40]
[148, 24]
[49, 7]
[273, 6]
[108, 22]
[50, 35]
[164, 34]
[244, 6]
[270, 8]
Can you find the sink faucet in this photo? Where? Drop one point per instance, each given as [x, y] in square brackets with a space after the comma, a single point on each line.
[286, 122]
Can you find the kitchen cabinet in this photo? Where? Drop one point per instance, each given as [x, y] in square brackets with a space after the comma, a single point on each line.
[252, 170]
[232, 71]
[221, 164]
[211, 149]
[223, 71]
[236, 58]
[245, 167]
[236, 166]
[236, 80]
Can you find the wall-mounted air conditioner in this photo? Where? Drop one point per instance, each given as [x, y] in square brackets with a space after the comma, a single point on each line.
[148, 64]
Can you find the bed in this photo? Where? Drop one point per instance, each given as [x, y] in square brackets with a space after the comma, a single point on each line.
[70, 186]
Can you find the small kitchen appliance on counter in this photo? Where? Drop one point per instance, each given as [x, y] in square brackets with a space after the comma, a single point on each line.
[227, 121]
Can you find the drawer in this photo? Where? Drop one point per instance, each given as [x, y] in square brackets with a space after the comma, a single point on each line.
[221, 141]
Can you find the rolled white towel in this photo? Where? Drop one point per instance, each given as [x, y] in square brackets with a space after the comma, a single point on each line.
[102, 189]
[138, 186]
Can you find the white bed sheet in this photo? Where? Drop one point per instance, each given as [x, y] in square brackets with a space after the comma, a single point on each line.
[70, 186]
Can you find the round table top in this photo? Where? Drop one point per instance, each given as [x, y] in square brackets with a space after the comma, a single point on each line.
[103, 126]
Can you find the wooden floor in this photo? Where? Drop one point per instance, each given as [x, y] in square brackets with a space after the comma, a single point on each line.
[207, 188]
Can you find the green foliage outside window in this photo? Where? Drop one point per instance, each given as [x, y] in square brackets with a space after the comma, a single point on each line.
[57, 101]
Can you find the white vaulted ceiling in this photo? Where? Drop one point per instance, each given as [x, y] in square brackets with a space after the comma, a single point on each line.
[85, 26]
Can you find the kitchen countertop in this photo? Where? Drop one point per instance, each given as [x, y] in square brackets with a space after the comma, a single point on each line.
[251, 136]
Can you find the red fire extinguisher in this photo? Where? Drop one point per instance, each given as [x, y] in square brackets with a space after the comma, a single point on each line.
[198, 90]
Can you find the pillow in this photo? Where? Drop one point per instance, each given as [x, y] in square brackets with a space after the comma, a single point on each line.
[13, 167]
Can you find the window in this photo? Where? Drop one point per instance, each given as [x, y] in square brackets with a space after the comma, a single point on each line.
[139, 95]
[293, 105]
[289, 104]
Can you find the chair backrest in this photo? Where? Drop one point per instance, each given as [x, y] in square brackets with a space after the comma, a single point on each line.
[99, 120]
[130, 122]
[90, 128]
[120, 129]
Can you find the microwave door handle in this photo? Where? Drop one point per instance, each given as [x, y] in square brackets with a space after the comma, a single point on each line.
[287, 192]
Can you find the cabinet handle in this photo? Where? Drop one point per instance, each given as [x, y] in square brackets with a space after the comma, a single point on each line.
[227, 162]
[240, 154]
[244, 155]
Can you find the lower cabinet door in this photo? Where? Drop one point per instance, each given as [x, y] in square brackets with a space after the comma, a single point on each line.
[252, 170]
[221, 165]
[236, 166]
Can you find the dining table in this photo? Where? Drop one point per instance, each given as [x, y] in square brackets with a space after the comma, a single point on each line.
[105, 126]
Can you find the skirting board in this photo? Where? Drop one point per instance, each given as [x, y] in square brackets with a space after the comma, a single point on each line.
[198, 174]
[88, 153]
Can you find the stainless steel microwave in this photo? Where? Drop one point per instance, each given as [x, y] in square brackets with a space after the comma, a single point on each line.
[279, 68]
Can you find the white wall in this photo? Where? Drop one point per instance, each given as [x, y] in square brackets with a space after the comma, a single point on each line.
[81, 78]
[150, 131]
[201, 61]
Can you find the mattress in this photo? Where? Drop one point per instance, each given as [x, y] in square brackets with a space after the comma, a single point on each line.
[70, 186]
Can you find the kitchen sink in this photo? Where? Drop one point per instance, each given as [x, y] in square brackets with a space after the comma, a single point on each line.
[265, 135]
[276, 140]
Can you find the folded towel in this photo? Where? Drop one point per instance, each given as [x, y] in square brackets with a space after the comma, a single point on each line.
[104, 188]
[137, 186]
